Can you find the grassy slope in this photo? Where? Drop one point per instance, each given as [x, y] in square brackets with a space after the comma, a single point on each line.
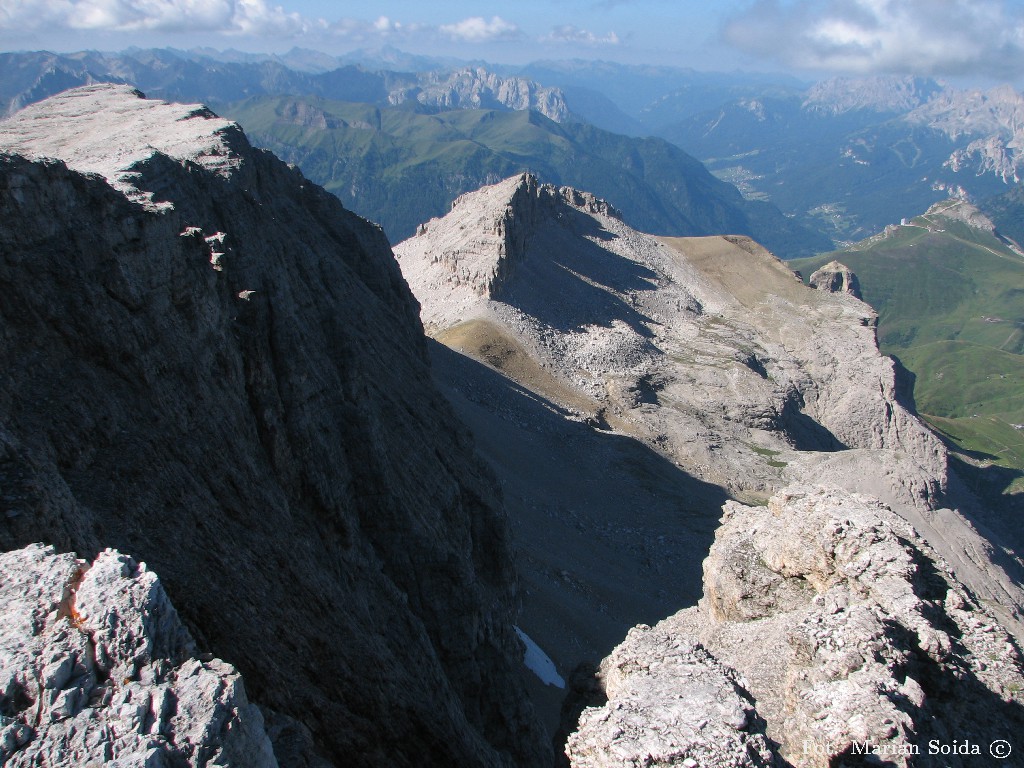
[401, 167]
[951, 308]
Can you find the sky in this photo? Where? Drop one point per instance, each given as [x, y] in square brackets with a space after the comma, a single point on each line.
[981, 40]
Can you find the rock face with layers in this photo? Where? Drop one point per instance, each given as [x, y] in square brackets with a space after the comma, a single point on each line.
[850, 635]
[210, 364]
[96, 666]
[836, 278]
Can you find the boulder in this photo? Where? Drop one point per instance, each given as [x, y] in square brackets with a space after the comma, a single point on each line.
[836, 278]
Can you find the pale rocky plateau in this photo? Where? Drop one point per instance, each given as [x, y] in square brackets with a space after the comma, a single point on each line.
[228, 452]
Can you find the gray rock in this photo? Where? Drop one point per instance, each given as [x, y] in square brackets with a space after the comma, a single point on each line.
[699, 366]
[670, 703]
[210, 364]
[851, 634]
[96, 667]
[836, 278]
[736, 347]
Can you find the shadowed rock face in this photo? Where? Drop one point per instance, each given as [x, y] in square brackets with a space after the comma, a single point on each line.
[210, 364]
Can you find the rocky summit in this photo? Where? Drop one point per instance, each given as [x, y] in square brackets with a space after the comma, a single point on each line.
[709, 347]
[212, 367]
[624, 386]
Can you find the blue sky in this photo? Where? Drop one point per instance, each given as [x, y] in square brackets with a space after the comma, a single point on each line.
[979, 39]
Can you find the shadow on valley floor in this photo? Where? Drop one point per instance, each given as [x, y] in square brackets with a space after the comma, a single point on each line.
[609, 533]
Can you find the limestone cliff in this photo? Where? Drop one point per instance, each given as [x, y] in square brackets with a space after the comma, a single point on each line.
[477, 257]
[211, 365]
[846, 639]
[477, 88]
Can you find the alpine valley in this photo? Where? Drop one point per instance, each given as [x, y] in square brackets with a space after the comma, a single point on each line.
[386, 410]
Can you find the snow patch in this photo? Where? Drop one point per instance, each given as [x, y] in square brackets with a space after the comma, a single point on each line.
[539, 662]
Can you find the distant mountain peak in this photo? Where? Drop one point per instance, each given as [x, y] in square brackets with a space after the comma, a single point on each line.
[475, 87]
[884, 93]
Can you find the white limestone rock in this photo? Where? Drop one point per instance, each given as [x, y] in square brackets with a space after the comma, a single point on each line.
[852, 635]
[96, 667]
[112, 129]
[670, 703]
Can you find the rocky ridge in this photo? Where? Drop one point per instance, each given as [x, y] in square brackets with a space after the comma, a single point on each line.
[26, 78]
[212, 365]
[876, 94]
[727, 376]
[984, 126]
[674, 318]
[477, 88]
[501, 219]
[840, 633]
[97, 667]
[991, 120]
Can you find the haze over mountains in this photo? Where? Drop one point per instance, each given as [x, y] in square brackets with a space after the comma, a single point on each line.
[841, 159]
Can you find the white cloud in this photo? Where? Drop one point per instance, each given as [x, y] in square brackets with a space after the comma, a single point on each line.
[384, 25]
[476, 29]
[924, 37]
[570, 34]
[249, 17]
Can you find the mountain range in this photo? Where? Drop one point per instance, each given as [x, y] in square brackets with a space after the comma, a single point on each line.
[841, 159]
[849, 157]
[401, 167]
[278, 491]
[437, 135]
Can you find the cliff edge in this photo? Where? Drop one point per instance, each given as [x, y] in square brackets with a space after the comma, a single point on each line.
[210, 364]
